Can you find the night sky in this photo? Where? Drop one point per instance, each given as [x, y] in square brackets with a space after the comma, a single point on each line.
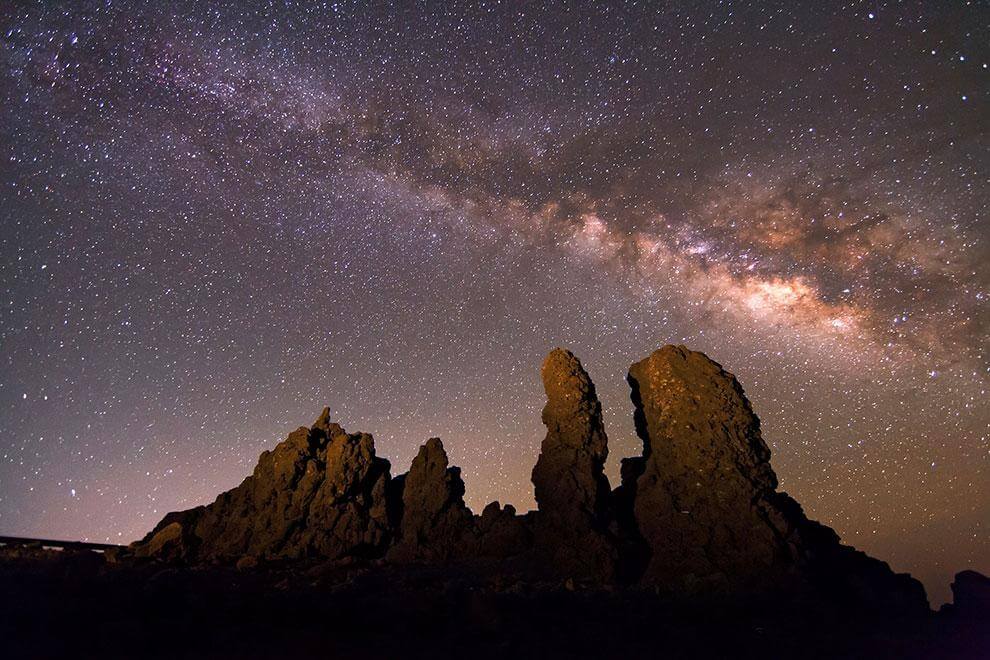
[215, 220]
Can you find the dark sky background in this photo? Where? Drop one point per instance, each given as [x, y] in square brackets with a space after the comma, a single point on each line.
[216, 218]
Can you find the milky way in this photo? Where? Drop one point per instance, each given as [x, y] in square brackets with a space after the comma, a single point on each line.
[215, 220]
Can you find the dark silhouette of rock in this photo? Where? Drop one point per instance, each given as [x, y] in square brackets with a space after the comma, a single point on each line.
[320, 492]
[970, 596]
[840, 572]
[697, 515]
[570, 485]
[501, 533]
[434, 520]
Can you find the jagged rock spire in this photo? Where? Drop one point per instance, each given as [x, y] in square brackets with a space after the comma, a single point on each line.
[434, 520]
[570, 485]
[320, 492]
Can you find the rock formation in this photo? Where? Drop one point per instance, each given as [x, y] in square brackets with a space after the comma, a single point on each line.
[970, 597]
[703, 496]
[570, 485]
[320, 492]
[971, 594]
[697, 512]
[434, 521]
[569, 479]
[703, 486]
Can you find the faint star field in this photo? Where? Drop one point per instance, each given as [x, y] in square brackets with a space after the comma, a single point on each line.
[218, 217]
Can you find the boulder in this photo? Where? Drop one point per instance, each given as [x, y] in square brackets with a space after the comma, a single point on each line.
[166, 543]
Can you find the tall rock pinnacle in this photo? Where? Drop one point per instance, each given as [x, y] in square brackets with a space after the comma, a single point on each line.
[704, 499]
[570, 485]
[703, 485]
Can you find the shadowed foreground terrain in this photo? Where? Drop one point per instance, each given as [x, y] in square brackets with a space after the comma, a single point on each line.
[322, 552]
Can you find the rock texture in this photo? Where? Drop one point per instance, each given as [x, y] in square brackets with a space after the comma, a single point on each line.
[434, 521]
[703, 497]
[570, 485]
[702, 489]
[697, 513]
[569, 479]
[320, 492]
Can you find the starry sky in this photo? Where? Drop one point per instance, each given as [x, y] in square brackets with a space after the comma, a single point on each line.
[217, 217]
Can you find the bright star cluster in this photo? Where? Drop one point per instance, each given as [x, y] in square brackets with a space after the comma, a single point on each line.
[217, 217]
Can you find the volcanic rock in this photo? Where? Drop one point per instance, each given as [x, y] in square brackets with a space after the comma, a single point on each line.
[166, 543]
[571, 488]
[704, 499]
[702, 487]
[697, 512]
[434, 520]
[320, 492]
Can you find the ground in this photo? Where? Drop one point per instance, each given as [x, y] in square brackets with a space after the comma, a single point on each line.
[61, 604]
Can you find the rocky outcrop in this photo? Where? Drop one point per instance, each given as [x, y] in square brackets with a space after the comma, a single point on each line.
[168, 542]
[703, 497]
[569, 480]
[697, 512]
[701, 491]
[320, 492]
[434, 520]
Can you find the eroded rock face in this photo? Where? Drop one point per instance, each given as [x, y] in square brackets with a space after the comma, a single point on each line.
[320, 492]
[570, 485]
[701, 489]
[434, 521]
[697, 511]
[703, 497]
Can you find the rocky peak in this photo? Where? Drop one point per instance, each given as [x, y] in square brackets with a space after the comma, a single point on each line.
[570, 484]
[697, 510]
[434, 517]
[319, 492]
[324, 423]
[701, 486]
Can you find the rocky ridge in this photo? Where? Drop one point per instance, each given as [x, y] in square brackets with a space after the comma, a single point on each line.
[697, 513]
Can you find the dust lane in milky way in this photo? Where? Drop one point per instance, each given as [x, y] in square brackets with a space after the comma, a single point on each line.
[218, 218]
